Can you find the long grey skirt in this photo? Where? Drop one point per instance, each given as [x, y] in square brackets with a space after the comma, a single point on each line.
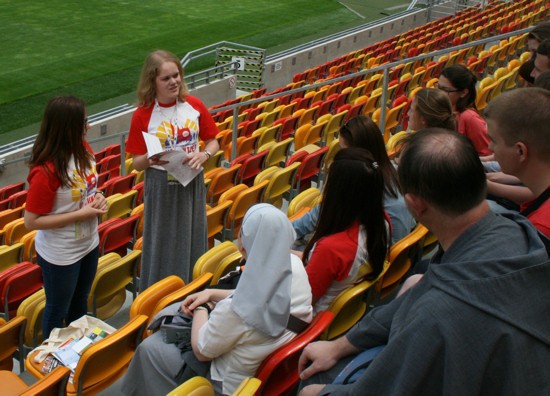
[174, 228]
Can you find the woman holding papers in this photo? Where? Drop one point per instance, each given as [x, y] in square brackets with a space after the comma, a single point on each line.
[175, 232]
[63, 205]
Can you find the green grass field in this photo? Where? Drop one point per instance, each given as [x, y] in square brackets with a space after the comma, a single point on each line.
[95, 49]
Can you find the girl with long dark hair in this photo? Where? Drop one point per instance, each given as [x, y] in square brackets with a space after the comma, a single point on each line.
[63, 204]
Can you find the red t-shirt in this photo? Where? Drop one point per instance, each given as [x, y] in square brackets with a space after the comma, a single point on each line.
[473, 126]
[540, 217]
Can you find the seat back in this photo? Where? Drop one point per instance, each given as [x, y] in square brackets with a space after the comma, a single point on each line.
[14, 231]
[192, 287]
[10, 255]
[247, 387]
[227, 265]
[401, 257]
[309, 169]
[120, 205]
[116, 236]
[314, 134]
[18, 285]
[244, 200]
[210, 260]
[251, 167]
[11, 339]
[121, 184]
[305, 199]
[279, 183]
[32, 308]
[279, 371]
[108, 292]
[7, 191]
[9, 215]
[221, 181]
[215, 219]
[53, 384]
[146, 301]
[348, 308]
[29, 251]
[196, 386]
[102, 363]
[138, 210]
[333, 127]
[278, 153]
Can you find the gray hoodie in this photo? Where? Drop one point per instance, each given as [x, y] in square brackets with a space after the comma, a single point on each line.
[477, 323]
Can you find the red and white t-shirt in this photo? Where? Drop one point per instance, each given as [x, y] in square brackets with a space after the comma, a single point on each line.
[68, 244]
[334, 263]
[178, 125]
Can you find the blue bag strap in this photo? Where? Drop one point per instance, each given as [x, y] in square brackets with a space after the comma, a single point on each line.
[357, 366]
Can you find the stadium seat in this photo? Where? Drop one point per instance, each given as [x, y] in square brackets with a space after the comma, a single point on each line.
[279, 371]
[215, 220]
[16, 284]
[108, 291]
[102, 363]
[53, 383]
[243, 200]
[11, 339]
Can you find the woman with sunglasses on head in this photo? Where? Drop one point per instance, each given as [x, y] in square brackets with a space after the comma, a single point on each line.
[460, 84]
[63, 204]
[174, 229]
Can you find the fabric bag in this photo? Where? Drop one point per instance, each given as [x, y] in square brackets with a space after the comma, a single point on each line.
[174, 325]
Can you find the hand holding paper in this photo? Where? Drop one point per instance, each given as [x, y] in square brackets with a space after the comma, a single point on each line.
[171, 160]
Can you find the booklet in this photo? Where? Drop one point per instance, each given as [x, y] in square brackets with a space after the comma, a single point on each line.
[68, 354]
[184, 174]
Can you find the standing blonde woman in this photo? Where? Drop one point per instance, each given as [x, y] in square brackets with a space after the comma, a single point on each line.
[63, 205]
[175, 232]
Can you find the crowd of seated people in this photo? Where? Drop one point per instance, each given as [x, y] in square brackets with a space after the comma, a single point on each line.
[447, 332]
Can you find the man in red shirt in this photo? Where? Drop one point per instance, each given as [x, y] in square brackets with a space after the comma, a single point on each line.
[518, 125]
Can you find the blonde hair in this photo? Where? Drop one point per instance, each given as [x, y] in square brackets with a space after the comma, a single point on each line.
[146, 90]
[435, 107]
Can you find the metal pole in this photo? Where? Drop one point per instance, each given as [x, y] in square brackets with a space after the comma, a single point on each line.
[384, 100]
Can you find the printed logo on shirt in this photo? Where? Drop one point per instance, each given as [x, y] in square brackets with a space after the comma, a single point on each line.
[84, 187]
[172, 136]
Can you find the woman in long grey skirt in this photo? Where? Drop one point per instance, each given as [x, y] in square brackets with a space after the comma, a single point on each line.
[175, 231]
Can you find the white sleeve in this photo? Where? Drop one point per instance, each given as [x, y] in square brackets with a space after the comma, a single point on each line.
[222, 332]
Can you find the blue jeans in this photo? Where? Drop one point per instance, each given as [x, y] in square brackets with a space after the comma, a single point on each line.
[67, 288]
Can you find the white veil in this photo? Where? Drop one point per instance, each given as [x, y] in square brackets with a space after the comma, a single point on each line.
[262, 297]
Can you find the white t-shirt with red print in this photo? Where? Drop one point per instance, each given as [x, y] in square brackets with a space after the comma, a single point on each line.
[178, 125]
[68, 244]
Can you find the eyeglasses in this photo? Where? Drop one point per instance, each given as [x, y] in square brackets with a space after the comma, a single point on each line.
[447, 90]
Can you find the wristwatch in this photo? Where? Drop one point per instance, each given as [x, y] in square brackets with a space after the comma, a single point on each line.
[208, 153]
[206, 307]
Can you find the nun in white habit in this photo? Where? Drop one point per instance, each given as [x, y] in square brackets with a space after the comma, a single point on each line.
[244, 326]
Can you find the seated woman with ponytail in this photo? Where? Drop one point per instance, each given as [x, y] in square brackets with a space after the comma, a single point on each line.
[352, 229]
[431, 107]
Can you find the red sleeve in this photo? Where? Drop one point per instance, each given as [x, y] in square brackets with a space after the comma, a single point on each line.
[472, 125]
[327, 264]
[42, 188]
[207, 127]
[140, 122]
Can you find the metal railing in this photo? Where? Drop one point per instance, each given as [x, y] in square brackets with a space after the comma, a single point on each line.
[384, 68]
